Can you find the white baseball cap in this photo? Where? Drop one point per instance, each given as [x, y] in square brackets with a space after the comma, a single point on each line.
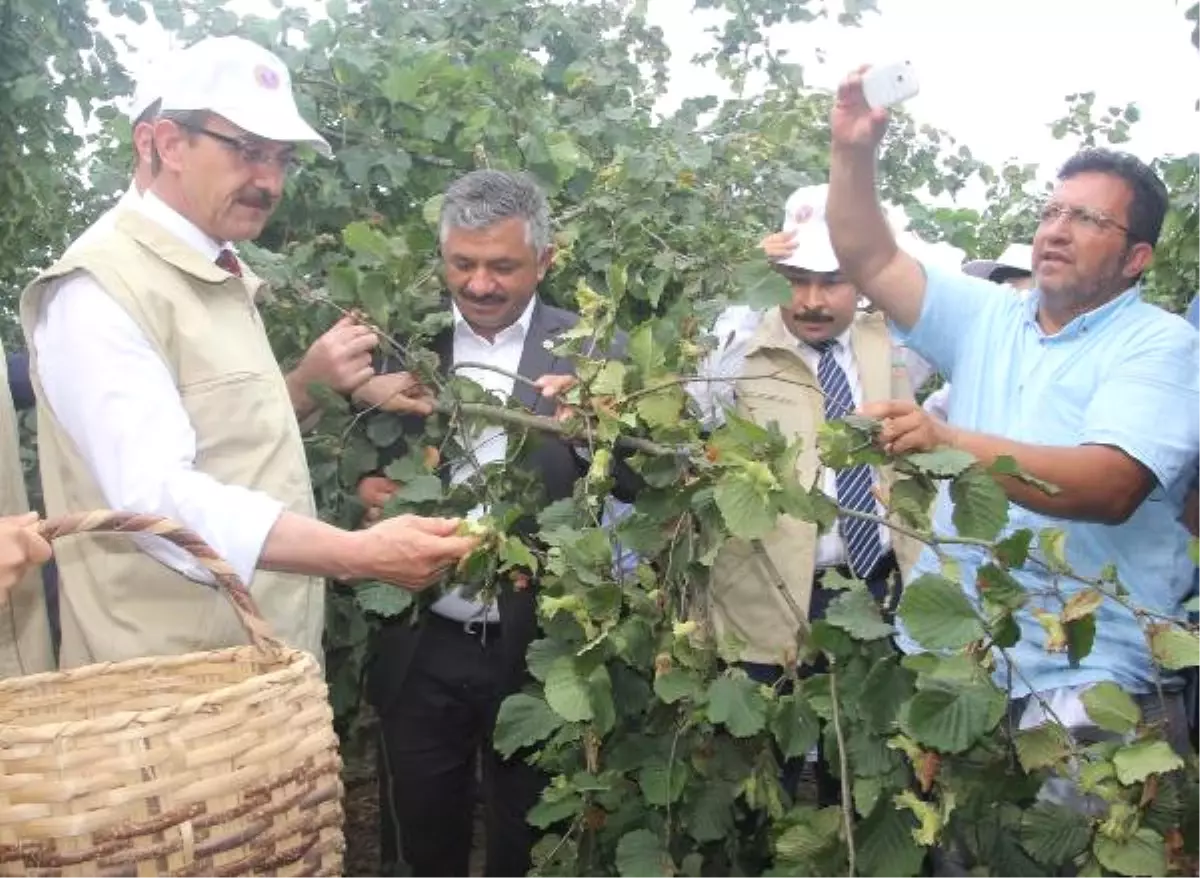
[1018, 257]
[804, 214]
[149, 86]
[144, 95]
[939, 254]
[244, 83]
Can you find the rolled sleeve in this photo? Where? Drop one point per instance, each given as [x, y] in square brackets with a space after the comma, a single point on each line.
[953, 305]
[1149, 405]
[117, 402]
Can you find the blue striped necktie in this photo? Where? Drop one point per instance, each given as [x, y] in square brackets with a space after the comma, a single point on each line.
[864, 548]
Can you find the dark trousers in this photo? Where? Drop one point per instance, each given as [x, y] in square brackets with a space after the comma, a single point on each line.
[434, 736]
[879, 583]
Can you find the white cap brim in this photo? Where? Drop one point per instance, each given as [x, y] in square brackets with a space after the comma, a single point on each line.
[981, 268]
[282, 127]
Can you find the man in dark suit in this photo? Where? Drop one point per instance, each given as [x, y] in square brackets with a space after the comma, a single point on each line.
[438, 684]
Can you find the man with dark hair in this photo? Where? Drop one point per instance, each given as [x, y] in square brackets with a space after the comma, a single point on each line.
[1148, 200]
[437, 681]
[1083, 384]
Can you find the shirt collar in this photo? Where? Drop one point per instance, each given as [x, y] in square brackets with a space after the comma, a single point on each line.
[842, 341]
[515, 331]
[154, 208]
[130, 195]
[1087, 322]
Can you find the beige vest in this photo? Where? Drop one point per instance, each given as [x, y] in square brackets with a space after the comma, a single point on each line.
[763, 602]
[118, 602]
[24, 626]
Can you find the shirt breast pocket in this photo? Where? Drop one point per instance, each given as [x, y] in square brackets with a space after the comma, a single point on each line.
[1055, 404]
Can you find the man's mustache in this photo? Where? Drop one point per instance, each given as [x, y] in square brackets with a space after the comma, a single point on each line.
[259, 198]
[812, 317]
[486, 299]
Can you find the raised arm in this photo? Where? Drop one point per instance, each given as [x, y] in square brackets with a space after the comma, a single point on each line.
[865, 246]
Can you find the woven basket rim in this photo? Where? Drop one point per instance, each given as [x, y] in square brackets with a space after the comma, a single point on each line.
[294, 663]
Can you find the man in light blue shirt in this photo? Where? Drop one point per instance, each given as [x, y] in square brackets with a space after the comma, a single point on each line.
[1085, 385]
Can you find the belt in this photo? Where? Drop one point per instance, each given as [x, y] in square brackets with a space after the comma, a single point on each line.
[474, 628]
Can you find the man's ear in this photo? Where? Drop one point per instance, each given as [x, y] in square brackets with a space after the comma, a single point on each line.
[1138, 260]
[143, 141]
[168, 139]
[545, 261]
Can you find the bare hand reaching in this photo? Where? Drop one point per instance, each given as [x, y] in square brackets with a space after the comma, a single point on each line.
[341, 358]
[553, 386]
[399, 392]
[373, 492]
[854, 125]
[21, 547]
[778, 245]
[414, 552]
[907, 427]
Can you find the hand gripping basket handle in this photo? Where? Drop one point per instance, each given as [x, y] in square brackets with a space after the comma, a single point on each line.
[127, 522]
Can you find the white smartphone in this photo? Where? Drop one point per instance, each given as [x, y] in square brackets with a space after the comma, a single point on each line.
[889, 84]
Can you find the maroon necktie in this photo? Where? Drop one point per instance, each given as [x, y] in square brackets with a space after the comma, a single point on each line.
[229, 262]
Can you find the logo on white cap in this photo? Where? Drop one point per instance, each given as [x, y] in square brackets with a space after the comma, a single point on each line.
[803, 213]
[266, 77]
[243, 82]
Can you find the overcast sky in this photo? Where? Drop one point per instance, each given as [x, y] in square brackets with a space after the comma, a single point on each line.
[993, 72]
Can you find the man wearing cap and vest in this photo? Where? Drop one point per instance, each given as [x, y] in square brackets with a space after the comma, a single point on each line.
[207, 434]
[820, 359]
[1013, 268]
[340, 358]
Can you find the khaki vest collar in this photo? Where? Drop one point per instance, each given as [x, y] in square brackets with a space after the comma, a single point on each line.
[870, 346]
[771, 334]
[176, 252]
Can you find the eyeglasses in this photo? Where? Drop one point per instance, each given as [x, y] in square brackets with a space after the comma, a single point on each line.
[250, 153]
[1084, 217]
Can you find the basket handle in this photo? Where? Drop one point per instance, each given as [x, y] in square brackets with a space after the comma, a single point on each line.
[128, 522]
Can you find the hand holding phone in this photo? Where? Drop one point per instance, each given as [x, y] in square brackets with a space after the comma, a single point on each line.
[889, 84]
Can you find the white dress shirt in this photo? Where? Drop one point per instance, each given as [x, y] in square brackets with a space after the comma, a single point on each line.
[487, 444]
[734, 329]
[117, 401]
[105, 222]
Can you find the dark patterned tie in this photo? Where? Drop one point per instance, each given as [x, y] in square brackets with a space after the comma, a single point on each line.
[229, 262]
[864, 549]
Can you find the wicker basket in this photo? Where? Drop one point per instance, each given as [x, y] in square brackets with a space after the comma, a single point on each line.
[214, 763]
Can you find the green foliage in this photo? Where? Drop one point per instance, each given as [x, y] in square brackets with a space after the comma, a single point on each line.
[663, 755]
[52, 59]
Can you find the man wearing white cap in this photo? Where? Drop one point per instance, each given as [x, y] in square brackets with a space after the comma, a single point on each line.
[207, 435]
[1013, 268]
[815, 359]
[341, 357]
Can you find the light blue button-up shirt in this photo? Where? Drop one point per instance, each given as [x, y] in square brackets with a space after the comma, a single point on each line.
[1124, 375]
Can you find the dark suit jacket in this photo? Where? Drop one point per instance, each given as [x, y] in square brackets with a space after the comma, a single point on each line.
[559, 467]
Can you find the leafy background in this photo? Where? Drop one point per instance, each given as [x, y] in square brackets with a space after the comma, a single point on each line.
[657, 220]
